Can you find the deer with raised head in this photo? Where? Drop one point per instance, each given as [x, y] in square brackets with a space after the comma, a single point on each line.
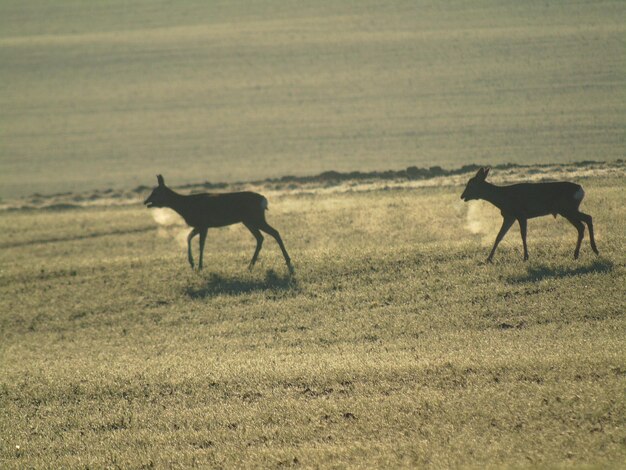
[207, 210]
[527, 200]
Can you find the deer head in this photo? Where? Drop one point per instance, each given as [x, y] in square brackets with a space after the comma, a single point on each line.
[159, 196]
[475, 185]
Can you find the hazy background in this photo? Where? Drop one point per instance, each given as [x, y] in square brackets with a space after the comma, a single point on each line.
[106, 94]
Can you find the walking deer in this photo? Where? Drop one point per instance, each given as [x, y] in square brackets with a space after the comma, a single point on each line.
[204, 211]
[527, 200]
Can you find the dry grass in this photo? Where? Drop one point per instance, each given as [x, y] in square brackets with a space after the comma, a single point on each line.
[394, 344]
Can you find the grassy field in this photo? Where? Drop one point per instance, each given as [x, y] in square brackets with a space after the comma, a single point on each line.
[105, 95]
[393, 345]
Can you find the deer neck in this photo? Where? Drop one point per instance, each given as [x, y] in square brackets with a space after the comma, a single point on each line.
[495, 195]
[177, 203]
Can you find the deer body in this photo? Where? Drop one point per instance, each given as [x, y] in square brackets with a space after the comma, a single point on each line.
[217, 210]
[531, 200]
[520, 202]
[204, 211]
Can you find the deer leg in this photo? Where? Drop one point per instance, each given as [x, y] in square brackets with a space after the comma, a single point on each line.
[274, 233]
[586, 218]
[259, 243]
[203, 233]
[506, 225]
[573, 219]
[522, 228]
[192, 234]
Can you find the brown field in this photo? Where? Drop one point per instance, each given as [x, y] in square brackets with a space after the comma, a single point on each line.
[394, 345]
[105, 96]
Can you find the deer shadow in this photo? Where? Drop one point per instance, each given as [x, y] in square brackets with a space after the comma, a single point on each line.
[540, 272]
[216, 284]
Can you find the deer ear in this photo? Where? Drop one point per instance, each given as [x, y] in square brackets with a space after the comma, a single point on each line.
[482, 173]
[160, 180]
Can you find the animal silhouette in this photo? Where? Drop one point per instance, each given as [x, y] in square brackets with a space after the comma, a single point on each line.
[527, 200]
[207, 210]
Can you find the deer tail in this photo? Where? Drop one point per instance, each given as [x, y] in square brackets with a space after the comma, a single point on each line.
[264, 204]
[579, 194]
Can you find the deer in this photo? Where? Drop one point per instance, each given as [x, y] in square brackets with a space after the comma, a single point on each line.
[525, 201]
[209, 210]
